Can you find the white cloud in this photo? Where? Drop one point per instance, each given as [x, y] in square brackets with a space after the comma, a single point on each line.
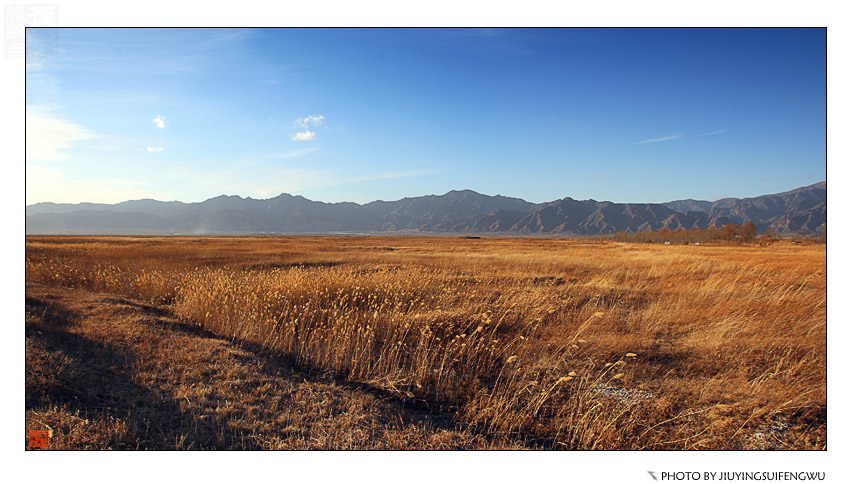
[304, 124]
[308, 121]
[304, 136]
[657, 140]
[160, 121]
[157, 150]
[718, 131]
[48, 134]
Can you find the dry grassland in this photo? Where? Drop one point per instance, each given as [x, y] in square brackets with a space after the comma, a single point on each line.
[494, 343]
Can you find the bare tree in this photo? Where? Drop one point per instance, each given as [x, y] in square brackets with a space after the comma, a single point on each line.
[748, 231]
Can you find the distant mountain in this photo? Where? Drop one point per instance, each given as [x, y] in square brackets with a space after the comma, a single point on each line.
[442, 213]
[800, 211]
[689, 205]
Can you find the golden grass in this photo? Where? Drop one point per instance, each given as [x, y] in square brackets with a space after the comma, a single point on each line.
[107, 372]
[559, 343]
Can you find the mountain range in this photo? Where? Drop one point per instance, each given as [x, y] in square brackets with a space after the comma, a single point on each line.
[800, 211]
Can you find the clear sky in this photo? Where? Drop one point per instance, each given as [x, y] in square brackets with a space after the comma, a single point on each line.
[627, 115]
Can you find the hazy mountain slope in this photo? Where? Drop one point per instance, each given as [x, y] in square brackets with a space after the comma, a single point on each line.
[97, 222]
[589, 217]
[798, 211]
[432, 212]
[689, 205]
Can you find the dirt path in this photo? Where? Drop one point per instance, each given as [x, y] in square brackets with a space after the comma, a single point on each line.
[104, 372]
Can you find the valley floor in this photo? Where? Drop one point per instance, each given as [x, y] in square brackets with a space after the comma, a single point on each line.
[423, 343]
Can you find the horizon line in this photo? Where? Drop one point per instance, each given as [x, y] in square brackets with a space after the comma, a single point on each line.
[400, 199]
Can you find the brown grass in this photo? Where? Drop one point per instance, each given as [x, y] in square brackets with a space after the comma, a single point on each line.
[538, 343]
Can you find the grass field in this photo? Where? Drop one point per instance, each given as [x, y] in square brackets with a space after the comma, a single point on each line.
[440, 342]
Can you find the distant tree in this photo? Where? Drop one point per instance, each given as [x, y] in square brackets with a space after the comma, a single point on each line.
[748, 231]
[713, 233]
[729, 232]
[768, 236]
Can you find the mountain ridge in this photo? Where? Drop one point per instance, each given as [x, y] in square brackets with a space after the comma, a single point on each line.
[798, 211]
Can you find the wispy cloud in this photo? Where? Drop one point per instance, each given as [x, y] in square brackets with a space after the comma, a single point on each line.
[309, 121]
[678, 136]
[296, 153]
[48, 134]
[304, 136]
[157, 150]
[160, 121]
[388, 176]
[662, 138]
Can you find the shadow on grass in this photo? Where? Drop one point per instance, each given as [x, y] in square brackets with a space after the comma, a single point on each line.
[147, 309]
[428, 412]
[93, 380]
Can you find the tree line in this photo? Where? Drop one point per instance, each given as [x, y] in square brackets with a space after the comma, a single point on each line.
[729, 234]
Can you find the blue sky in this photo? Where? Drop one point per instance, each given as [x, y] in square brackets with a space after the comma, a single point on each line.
[627, 115]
